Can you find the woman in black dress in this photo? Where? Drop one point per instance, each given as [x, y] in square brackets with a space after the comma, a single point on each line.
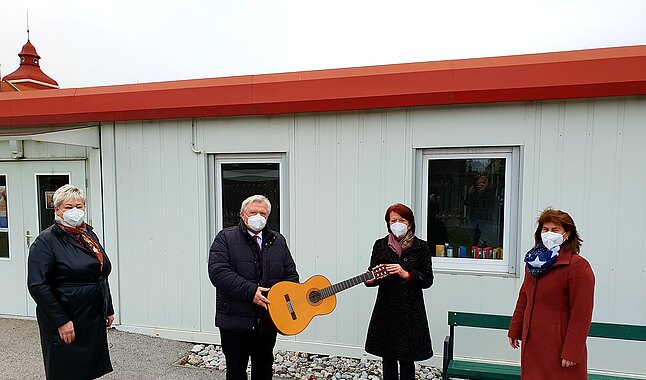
[68, 278]
[398, 330]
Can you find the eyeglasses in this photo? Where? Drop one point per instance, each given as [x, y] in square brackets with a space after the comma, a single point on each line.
[264, 215]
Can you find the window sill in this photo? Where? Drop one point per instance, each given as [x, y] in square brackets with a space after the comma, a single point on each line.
[473, 272]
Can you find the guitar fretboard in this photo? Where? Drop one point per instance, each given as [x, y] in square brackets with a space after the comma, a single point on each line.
[343, 285]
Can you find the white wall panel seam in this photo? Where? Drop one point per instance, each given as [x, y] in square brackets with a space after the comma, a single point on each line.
[617, 182]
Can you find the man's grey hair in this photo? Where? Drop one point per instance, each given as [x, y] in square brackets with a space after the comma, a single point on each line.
[255, 198]
[66, 193]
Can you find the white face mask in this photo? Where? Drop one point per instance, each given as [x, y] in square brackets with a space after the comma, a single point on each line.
[256, 222]
[551, 239]
[399, 229]
[73, 217]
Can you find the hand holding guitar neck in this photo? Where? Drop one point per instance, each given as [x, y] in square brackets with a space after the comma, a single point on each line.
[382, 269]
[396, 269]
[371, 281]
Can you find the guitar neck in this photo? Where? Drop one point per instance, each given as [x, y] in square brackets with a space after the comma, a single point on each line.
[347, 284]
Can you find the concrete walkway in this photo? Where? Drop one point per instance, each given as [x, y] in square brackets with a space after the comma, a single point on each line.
[134, 356]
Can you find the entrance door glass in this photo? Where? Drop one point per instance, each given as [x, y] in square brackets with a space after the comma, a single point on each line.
[47, 185]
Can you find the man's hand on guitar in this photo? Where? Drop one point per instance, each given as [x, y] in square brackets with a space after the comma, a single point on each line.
[259, 299]
[397, 270]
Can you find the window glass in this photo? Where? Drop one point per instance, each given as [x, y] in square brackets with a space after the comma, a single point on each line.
[47, 185]
[465, 215]
[241, 180]
[4, 219]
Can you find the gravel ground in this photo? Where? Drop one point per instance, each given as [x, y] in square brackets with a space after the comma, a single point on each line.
[134, 356]
[305, 366]
[142, 357]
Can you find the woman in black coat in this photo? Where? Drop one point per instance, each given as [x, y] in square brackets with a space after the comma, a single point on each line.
[398, 330]
[67, 277]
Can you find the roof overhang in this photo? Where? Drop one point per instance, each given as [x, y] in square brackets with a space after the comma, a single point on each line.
[564, 75]
[86, 136]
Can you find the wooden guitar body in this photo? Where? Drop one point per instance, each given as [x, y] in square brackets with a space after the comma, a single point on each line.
[293, 306]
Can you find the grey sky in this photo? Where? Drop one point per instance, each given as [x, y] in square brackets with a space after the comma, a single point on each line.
[88, 43]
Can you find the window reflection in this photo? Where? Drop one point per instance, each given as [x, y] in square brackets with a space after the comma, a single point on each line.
[466, 207]
[241, 180]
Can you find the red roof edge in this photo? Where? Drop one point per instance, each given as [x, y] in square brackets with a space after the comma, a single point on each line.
[548, 76]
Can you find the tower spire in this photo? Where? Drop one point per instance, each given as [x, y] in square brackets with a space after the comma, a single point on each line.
[29, 75]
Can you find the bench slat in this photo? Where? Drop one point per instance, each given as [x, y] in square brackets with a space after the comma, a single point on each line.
[473, 370]
[479, 320]
[593, 376]
[617, 331]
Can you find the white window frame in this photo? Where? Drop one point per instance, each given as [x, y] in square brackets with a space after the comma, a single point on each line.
[510, 216]
[215, 184]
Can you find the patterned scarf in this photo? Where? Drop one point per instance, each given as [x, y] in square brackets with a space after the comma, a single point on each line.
[539, 258]
[81, 235]
[401, 245]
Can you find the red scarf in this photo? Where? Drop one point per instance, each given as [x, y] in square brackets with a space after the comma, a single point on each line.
[81, 235]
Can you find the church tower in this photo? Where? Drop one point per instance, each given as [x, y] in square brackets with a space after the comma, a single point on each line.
[28, 76]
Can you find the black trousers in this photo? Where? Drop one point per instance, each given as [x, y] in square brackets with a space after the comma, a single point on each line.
[238, 346]
[406, 370]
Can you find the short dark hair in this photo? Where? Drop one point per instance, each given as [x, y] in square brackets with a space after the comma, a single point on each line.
[405, 213]
[563, 219]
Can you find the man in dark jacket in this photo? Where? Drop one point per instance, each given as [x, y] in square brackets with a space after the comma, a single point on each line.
[244, 262]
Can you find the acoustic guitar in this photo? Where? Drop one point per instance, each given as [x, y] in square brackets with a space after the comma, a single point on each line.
[293, 306]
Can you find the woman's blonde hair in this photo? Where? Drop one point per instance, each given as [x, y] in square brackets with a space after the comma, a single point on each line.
[67, 192]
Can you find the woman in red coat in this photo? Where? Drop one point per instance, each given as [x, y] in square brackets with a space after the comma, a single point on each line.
[554, 308]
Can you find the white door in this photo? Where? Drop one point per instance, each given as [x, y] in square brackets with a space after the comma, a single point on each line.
[26, 208]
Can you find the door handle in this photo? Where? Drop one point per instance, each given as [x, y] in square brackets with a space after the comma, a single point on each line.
[28, 238]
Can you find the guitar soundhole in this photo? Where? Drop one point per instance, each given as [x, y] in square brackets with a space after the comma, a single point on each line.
[315, 296]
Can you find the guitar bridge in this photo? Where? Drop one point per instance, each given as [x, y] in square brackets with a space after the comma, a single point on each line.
[290, 307]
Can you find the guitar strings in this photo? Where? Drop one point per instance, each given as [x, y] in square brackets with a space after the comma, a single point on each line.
[376, 272]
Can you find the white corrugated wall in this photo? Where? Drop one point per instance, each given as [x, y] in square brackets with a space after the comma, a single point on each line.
[584, 156]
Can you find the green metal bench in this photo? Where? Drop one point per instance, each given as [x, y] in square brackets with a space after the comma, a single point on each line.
[465, 369]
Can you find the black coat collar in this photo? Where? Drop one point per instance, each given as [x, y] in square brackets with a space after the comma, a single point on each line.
[267, 233]
[68, 238]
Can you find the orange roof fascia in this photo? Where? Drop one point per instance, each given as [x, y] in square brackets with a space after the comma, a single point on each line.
[564, 75]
